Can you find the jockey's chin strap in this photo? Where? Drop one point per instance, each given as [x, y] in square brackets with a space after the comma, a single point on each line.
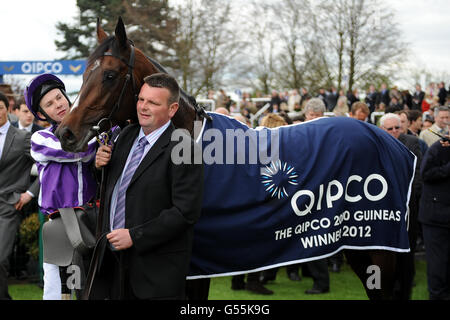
[129, 76]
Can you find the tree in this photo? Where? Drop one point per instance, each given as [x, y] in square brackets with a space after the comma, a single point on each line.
[261, 44]
[333, 34]
[79, 38]
[152, 28]
[374, 41]
[289, 18]
[206, 45]
[148, 23]
[186, 33]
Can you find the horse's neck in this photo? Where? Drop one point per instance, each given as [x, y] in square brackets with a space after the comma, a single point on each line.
[185, 117]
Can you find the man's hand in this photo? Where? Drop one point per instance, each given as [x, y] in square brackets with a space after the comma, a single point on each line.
[445, 143]
[103, 156]
[24, 199]
[120, 239]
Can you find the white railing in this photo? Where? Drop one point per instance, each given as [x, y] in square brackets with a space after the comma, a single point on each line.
[209, 104]
[376, 114]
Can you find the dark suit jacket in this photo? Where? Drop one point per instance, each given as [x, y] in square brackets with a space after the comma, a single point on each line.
[15, 166]
[417, 100]
[372, 100]
[34, 128]
[383, 97]
[435, 201]
[442, 96]
[412, 143]
[163, 202]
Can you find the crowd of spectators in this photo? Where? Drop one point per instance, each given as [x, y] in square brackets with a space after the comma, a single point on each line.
[339, 102]
[408, 118]
[415, 114]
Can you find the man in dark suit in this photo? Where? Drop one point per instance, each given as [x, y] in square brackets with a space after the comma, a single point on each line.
[372, 98]
[26, 119]
[152, 211]
[405, 268]
[20, 257]
[15, 165]
[331, 99]
[417, 98]
[384, 97]
[434, 214]
[442, 94]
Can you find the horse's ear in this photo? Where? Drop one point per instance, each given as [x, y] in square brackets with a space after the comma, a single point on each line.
[121, 34]
[101, 34]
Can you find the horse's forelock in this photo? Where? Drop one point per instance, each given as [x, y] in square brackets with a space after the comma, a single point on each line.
[107, 44]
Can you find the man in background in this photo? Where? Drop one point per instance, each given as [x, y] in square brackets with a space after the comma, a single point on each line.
[441, 122]
[26, 118]
[405, 268]
[15, 165]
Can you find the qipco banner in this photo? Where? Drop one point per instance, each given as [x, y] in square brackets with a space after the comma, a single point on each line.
[297, 193]
[67, 67]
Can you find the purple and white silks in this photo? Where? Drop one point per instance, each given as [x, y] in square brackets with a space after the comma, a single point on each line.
[65, 177]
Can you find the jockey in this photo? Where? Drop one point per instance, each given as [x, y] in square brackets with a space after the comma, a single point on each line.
[66, 178]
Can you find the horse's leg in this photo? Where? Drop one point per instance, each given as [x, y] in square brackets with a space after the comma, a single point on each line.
[360, 260]
[387, 262]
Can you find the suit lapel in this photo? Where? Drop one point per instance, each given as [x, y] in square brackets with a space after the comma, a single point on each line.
[9, 139]
[158, 148]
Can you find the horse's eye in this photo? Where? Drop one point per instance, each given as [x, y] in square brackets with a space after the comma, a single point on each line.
[109, 76]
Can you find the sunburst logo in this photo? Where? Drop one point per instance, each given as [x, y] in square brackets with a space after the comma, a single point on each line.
[277, 176]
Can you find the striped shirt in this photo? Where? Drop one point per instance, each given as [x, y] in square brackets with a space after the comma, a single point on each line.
[66, 178]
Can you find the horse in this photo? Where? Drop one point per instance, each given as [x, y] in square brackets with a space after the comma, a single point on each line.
[115, 71]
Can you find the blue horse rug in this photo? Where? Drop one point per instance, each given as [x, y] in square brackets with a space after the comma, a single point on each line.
[297, 193]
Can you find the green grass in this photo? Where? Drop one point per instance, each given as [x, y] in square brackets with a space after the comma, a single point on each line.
[25, 292]
[343, 286]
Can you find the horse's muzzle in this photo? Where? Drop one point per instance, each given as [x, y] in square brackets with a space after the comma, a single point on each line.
[68, 140]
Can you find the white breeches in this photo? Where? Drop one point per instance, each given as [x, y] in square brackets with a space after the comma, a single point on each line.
[52, 282]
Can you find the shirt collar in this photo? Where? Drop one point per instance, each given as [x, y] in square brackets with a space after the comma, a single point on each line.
[5, 127]
[28, 128]
[154, 135]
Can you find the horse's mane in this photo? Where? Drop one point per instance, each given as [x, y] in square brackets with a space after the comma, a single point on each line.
[188, 98]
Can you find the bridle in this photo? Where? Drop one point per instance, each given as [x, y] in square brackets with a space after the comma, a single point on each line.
[104, 137]
[129, 76]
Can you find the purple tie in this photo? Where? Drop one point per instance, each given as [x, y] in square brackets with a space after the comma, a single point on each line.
[119, 216]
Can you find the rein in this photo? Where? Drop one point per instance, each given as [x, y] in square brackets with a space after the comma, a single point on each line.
[104, 138]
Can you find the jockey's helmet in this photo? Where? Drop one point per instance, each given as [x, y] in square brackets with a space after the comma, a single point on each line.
[38, 87]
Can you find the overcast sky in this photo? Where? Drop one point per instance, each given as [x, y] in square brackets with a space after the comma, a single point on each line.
[28, 31]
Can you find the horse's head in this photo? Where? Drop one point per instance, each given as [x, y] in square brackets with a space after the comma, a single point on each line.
[111, 82]
[114, 74]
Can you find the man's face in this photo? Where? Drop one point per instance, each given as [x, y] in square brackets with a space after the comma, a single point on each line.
[3, 113]
[55, 105]
[416, 125]
[360, 115]
[442, 119]
[392, 126]
[153, 109]
[309, 115]
[404, 123]
[25, 116]
[426, 124]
